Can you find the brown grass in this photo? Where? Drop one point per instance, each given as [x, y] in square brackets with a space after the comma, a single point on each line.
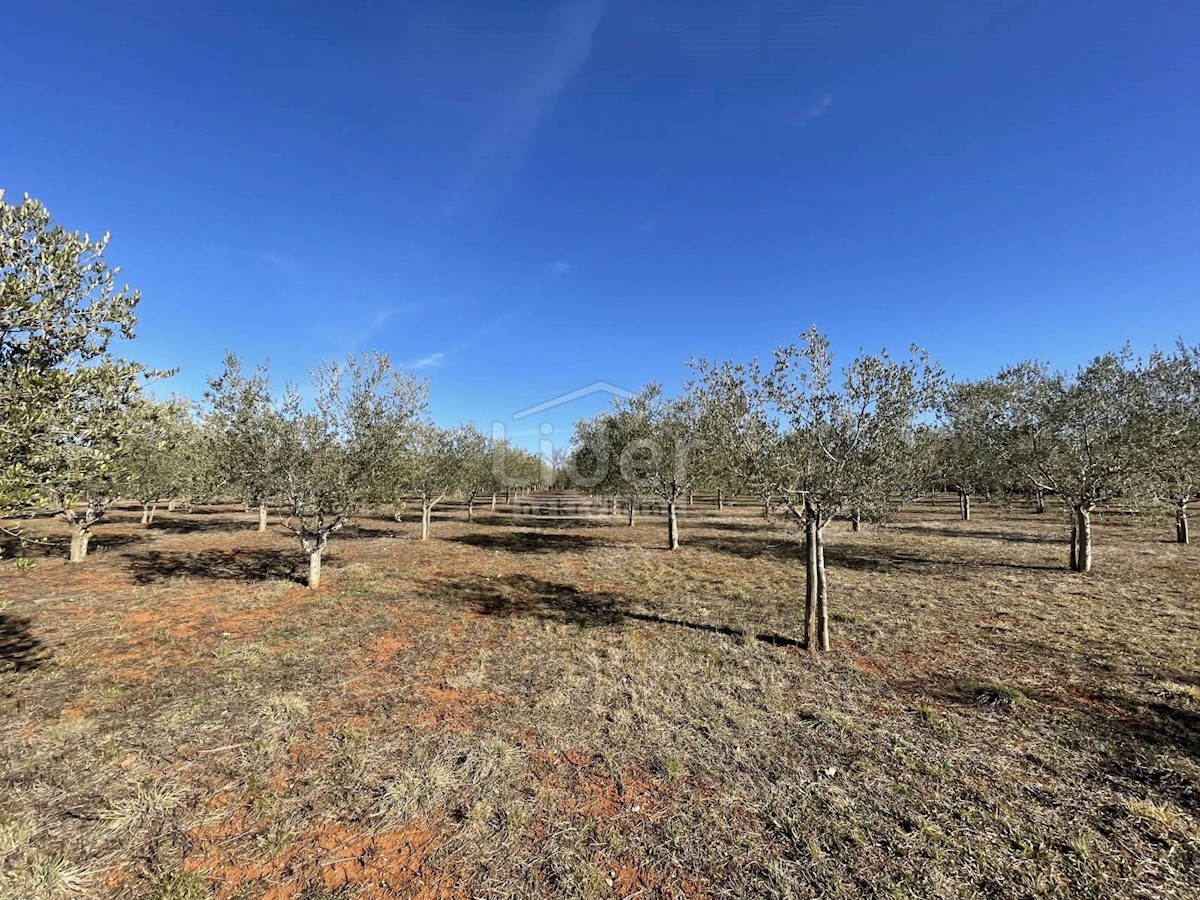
[552, 708]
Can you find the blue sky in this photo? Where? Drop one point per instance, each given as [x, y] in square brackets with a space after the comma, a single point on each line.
[516, 200]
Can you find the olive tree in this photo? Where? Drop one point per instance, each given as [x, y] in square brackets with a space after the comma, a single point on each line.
[1075, 436]
[433, 467]
[244, 430]
[333, 455]
[825, 442]
[1171, 427]
[962, 457]
[477, 475]
[644, 446]
[161, 456]
[64, 395]
[83, 469]
[604, 458]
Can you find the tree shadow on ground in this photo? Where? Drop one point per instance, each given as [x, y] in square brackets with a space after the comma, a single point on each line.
[1132, 725]
[977, 534]
[529, 597]
[57, 548]
[529, 542]
[853, 558]
[526, 520]
[20, 650]
[775, 640]
[526, 596]
[154, 566]
[757, 526]
[184, 524]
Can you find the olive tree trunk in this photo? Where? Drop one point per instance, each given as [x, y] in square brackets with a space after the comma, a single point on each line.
[672, 526]
[262, 517]
[810, 583]
[426, 511]
[1073, 558]
[79, 544]
[964, 505]
[822, 594]
[720, 500]
[1085, 540]
[1181, 524]
[314, 568]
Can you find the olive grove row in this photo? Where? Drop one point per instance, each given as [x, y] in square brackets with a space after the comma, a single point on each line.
[816, 440]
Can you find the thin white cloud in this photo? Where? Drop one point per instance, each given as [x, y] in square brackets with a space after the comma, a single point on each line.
[431, 361]
[813, 111]
[523, 109]
[284, 264]
[561, 267]
[376, 324]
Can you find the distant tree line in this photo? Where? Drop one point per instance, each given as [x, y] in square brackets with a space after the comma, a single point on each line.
[809, 439]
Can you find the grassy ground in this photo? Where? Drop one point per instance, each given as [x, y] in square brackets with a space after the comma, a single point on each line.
[537, 708]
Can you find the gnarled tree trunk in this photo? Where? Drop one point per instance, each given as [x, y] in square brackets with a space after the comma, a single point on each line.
[964, 505]
[1181, 524]
[426, 511]
[720, 500]
[79, 543]
[262, 517]
[855, 520]
[672, 526]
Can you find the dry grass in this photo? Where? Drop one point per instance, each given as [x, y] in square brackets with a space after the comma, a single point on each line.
[543, 708]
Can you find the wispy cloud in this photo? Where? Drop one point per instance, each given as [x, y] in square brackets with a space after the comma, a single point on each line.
[285, 264]
[377, 324]
[523, 109]
[814, 110]
[647, 225]
[561, 267]
[433, 360]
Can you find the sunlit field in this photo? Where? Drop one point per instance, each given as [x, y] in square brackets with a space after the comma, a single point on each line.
[558, 707]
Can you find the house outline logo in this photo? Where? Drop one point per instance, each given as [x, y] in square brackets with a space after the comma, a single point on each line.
[595, 387]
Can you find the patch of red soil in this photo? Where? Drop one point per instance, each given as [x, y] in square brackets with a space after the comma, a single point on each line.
[592, 790]
[454, 709]
[331, 857]
[631, 880]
